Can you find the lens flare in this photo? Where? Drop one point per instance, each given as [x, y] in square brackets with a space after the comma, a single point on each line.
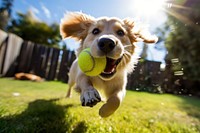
[149, 7]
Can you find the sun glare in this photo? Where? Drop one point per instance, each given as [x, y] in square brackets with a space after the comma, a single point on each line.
[149, 7]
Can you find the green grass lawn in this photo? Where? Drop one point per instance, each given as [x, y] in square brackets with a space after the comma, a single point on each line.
[27, 107]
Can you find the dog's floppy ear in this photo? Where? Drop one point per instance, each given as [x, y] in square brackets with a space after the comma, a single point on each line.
[75, 24]
[136, 33]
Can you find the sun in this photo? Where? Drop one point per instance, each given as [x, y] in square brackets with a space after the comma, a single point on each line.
[149, 7]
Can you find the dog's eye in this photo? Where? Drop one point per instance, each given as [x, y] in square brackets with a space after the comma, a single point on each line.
[96, 31]
[120, 33]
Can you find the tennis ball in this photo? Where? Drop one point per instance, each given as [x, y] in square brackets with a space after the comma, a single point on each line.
[90, 65]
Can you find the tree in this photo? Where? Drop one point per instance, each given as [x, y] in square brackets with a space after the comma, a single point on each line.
[5, 13]
[183, 41]
[30, 28]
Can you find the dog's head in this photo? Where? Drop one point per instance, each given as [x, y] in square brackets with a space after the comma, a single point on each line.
[110, 37]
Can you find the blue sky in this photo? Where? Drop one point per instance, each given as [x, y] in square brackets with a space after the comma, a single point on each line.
[51, 11]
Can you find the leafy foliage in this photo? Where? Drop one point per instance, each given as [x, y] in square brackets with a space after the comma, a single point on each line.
[5, 12]
[29, 28]
[7, 5]
[183, 41]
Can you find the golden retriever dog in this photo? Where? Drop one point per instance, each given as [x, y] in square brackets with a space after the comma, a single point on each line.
[110, 37]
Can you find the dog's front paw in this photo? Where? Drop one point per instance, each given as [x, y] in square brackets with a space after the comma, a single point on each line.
[90, 97]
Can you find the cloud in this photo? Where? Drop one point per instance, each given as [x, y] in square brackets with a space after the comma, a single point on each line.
[46, 11]
[34, 10]
[32, 14]
[25, 2]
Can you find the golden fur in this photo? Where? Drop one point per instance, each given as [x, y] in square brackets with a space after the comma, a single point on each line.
[89, 31]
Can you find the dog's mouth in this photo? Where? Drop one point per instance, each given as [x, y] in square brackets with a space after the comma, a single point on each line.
[111, 65]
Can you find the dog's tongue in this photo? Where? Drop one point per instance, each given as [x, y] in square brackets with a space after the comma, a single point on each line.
[110, 65]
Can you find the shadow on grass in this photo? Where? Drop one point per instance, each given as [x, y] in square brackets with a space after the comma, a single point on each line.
[42, 116]
[191, 105]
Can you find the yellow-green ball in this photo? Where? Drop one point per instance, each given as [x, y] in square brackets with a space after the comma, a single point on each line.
[90, 65]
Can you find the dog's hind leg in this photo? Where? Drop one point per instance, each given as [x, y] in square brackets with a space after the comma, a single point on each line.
[69, 92]
[71, 83]
[71, 80]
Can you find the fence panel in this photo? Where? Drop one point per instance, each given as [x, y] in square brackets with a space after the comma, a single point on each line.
[12, 49]
[37, 60]
[45, 58]
[67, 59]
[64, 67]
[3, 48]
[53, 64]
[3, 42]
[25, 56]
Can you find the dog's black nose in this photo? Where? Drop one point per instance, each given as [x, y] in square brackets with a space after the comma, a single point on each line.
[106, 45]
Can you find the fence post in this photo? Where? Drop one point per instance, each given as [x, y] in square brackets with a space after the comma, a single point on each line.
[3, 54]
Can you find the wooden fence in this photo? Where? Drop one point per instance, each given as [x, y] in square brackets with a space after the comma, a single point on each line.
[17, 55]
